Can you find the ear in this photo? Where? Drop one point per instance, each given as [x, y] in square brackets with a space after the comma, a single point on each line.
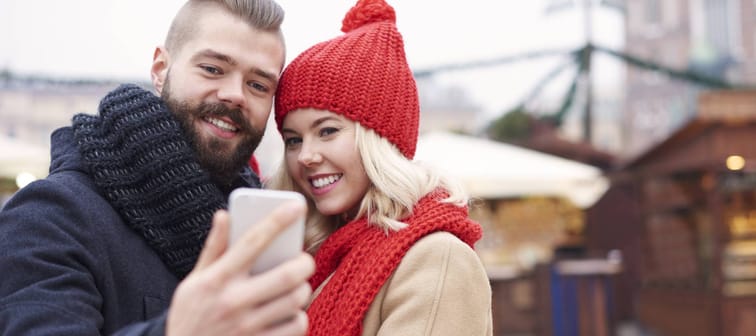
[159, 70]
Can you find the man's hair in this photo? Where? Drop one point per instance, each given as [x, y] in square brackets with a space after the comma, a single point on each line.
[264, 15]
[397, 184]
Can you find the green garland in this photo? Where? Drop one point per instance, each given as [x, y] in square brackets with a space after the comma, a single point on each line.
[580, 58]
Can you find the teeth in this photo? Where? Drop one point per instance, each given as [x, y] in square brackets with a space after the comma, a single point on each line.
[221, 124]
[324, 181]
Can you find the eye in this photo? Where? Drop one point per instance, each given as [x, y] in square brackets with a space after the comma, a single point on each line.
[292, 142]
[326, 131]
[211, 69]
[258, 86]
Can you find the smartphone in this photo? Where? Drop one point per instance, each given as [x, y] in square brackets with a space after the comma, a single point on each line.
[248, 206]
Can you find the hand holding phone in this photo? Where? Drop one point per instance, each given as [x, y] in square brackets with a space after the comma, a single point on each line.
[247, 207]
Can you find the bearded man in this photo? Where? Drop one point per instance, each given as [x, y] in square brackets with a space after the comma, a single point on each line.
[118, 238]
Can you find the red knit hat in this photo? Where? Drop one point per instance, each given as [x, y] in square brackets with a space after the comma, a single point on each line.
[362, 75]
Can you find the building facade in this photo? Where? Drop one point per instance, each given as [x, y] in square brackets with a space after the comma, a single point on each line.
[709, 38]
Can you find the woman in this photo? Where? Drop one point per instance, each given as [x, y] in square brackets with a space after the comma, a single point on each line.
[392, 241]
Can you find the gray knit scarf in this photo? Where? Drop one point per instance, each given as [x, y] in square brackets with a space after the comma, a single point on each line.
[142, 162]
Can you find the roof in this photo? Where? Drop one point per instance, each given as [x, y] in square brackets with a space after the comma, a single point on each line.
[491, 169]
[715, 109]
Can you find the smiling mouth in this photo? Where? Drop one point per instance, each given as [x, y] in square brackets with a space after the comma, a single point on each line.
[325, 181]
[221, 124]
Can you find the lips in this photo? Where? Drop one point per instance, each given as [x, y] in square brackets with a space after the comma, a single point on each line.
[225, 126]
[324, 181]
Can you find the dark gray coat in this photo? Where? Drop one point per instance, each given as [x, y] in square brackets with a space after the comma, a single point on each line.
[69, 264]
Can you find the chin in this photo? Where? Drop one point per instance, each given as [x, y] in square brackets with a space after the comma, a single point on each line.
[327, 210]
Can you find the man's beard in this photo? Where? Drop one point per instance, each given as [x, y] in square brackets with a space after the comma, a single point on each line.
[213, 155]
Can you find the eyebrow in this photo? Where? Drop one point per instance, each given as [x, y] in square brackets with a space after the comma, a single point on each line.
[319, 121]
[227, 59]
[267, 75]
[314, 124]
[216, 55]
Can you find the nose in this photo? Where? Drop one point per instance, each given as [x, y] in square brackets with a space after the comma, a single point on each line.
[308, 155]
[231, 93]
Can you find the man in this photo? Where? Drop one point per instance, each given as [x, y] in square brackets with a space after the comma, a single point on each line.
[115, 239]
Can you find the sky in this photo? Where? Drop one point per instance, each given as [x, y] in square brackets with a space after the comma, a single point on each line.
[115, 39]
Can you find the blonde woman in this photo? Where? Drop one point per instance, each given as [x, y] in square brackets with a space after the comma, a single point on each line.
[392, 240]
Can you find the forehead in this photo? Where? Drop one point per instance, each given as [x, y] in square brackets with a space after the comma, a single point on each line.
[217, 29]
[305, 117]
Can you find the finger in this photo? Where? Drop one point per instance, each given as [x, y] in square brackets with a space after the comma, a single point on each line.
[216, 242]
[278, 281]
[254, 291]
[278, 311]
[241, 256]
[295, 326]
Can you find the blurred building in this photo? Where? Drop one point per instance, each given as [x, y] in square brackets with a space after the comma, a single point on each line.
[680, 215]
[444, 108]
[684, 216]
[715, 38]
[31, 108]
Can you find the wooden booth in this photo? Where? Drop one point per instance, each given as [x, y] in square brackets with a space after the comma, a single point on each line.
[684, 216]
[543, 283]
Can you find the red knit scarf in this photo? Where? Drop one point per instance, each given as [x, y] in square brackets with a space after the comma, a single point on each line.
[362, 257]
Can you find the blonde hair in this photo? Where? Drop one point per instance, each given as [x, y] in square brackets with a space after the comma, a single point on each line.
[397, 184]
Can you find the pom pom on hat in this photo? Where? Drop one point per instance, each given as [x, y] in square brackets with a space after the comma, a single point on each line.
[362, 75]
[366, 12]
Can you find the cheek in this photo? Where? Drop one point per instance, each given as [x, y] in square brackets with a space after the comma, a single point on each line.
[183, 93]
[359, 176]
[363, 182]
[257, 111]
[293, 167]
[190, 88]
[291, 162]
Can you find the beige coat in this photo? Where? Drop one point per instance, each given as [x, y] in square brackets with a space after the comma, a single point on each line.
[439, 288]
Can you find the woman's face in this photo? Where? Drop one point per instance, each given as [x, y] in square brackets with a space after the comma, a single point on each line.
[322, 157]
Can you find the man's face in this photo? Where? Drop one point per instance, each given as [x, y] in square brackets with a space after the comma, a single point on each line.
[219, 157]
[221, 84]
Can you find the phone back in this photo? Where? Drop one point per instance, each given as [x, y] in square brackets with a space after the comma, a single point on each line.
[247, 207]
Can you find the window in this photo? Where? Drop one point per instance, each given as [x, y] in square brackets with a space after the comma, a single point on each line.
[652, 12]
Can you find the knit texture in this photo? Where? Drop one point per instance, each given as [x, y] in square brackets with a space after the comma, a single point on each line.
[362, 75]
[142, 163]
[363, 257]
